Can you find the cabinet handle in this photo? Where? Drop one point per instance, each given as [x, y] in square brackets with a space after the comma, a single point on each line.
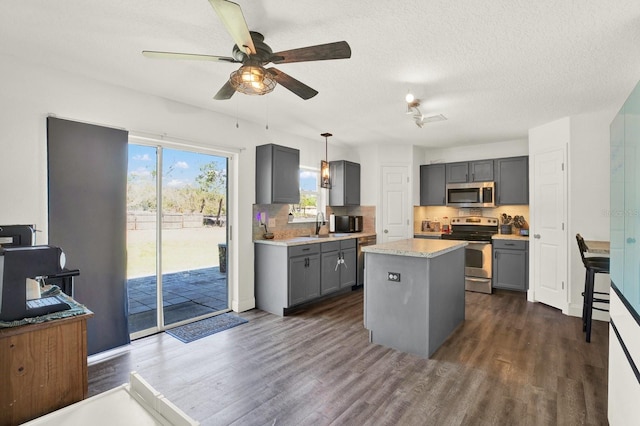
[536, 236]
[473, 177]
[306, 249]
[509, 244]
[631, 240]
[495, 254]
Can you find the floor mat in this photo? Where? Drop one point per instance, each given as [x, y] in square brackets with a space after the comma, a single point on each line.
[206, 327]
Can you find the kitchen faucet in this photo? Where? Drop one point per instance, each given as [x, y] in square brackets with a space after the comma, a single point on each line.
[318, 222]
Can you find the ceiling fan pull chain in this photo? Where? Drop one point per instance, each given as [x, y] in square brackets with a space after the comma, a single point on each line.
[267, 113]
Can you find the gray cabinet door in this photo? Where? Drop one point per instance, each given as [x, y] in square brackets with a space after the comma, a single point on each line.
[277, 175]
[304, 278]
[329, 274]
[512, 180]
[352, 184]
[432, 185]
[297, 277]
[481, 171]
[345, 183]
[313, 277]
[457, 172]
[348, 268]
[510, 269]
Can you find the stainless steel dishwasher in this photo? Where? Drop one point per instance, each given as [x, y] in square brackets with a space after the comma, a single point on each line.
[362, 241]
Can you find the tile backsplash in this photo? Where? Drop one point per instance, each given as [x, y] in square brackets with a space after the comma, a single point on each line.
[284, 229]
[437, 213]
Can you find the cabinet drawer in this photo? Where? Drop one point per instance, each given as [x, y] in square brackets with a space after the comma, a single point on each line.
[304, 250]
[510, 244]
[346, 244]
[331, 246]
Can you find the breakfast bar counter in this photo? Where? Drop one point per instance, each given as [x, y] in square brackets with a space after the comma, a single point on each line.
[414, 293]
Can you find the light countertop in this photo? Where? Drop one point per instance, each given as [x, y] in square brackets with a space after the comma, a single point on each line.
[510, 237]
[428, 233]
[296, 241]
[416, 247]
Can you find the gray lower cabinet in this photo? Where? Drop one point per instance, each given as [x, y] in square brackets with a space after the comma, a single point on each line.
[428, 237]
[338, 265]
[286, 276]
[304, 273]
[511, 265]
[512, 180]
[432, 185]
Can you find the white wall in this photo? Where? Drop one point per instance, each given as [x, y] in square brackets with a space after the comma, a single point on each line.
[30, 93]
[589, 199]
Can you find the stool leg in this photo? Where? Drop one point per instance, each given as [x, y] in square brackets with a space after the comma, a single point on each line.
[589, 291]
[584, 300]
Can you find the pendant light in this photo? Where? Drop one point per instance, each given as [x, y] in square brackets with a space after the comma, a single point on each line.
[325, 180]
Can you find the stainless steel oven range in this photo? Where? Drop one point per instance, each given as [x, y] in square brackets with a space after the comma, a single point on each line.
[477, 231]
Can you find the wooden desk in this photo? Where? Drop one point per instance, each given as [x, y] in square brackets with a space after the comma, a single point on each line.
[598, 247]
[43, 367]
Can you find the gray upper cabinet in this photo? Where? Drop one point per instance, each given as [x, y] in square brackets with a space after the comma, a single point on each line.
[472, 171]
[432, 185]
[457, 172]
[481, 171]
[512, 180]
[345, 183]
[277, 174]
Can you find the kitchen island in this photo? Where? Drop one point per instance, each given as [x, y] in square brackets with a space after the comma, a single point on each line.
[414, 293]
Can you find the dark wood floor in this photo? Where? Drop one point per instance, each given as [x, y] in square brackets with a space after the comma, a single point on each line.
[510, 363]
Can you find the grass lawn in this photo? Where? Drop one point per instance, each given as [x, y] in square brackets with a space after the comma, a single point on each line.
[183, 249]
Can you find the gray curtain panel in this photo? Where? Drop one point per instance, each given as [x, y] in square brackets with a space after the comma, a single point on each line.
[87, 178]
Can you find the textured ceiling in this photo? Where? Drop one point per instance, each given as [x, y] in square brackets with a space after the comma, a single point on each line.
[494, 68]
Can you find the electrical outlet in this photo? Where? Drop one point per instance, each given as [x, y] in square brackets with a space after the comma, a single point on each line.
[272, 223]
[393, 276]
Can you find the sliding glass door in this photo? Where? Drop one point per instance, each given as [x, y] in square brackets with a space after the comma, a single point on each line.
[176, 237]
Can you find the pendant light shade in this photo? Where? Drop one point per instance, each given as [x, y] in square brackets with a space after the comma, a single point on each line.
[252, 80]
[325, 179]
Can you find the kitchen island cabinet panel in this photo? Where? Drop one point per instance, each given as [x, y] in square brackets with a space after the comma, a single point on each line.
[414, 302]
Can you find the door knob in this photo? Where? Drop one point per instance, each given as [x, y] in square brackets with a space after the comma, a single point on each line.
[536, 236]
[386, 231]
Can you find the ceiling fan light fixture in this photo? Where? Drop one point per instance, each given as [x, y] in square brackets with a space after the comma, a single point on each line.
[252, 80]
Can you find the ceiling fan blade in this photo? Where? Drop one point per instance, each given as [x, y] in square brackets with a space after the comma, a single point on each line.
[321, 52]
[231, 16]
[300, 89]
[187, 56]
[225, 92]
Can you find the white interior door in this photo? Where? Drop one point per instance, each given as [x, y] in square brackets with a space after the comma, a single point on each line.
[395, 209]
[549, 235]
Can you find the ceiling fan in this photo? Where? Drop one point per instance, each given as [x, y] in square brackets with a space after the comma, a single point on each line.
[252, 78]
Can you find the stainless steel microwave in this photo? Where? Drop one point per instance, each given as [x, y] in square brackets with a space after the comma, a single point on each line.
[348, 223]
[472, 194]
